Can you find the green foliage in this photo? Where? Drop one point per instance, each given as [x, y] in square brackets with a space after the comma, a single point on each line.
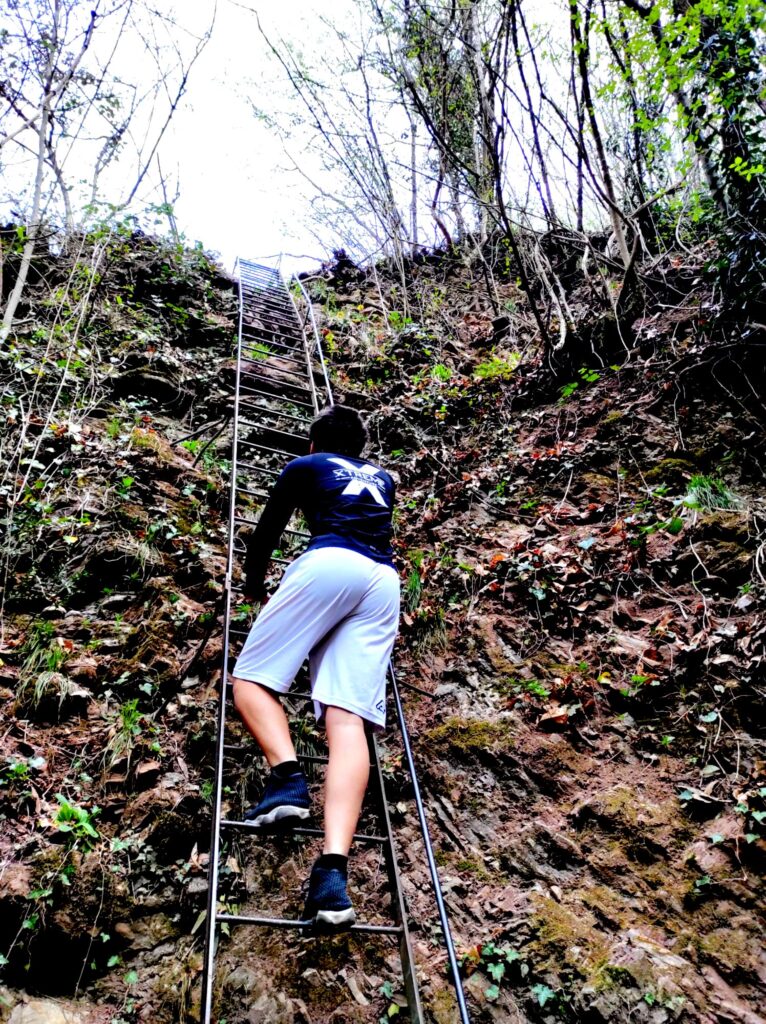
[543, 994]
[242, 612]
[395, 1003]
[438, 374]
[76, 822]
[528, 568]
[16, 771]
[16, 775]
[431, 630]
[709, 493]
[747, 170]
[497, 367]
[699, 65]
[207, 453]
[43, 657]
[127, 726]
[751, 806]
[587, 376]
[398, 321]
[502, 964]
[260, 351]
[114, 428]
[413, 590]
[529, 687]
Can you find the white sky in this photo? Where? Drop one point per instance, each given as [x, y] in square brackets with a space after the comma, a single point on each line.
[237, 191]
[236, 194]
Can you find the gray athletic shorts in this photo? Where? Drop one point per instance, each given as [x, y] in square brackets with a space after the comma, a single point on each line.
[341, 610]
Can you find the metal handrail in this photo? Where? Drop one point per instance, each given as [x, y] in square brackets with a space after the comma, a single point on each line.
[435, 882]
[315, 330]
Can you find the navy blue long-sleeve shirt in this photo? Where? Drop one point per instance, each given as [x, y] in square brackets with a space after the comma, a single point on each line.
[347, 503]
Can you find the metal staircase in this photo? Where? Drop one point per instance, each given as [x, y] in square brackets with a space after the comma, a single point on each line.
[281, 382]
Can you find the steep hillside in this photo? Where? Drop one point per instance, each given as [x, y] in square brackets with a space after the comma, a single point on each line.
[582, 546]
[581, 540]
[111, 621]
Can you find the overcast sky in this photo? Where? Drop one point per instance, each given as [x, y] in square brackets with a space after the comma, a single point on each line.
[238, 191]
[237, 195]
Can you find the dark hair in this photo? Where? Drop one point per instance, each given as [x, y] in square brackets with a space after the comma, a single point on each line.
[338, 429]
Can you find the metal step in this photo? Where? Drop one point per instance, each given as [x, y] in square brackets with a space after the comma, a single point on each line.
[284, 922]
[267, 369]
[263, 358]
[293, 341]
[298, 352]
[262, 277]
[256, 367]
[270, 296]
[265, 394]
[251, 270]
[247, 826]
[266, 448]
[253, 335]
[276, 349]
[255, 493]
[278, 384]
[294, 444]
[298, 438]
[262, 306]
[291, 402]
[252, 468]
[256, 469]
[266, 318]
[261, 292]
[265, 411]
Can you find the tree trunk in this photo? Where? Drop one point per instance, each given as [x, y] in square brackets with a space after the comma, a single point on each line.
[34, 220]
[581, 49]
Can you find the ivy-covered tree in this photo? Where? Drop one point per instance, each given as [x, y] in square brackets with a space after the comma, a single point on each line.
[708, 55]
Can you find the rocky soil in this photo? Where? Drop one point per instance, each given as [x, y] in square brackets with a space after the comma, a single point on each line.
[581, 543]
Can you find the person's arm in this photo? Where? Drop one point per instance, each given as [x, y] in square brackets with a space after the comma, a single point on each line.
[271, 525]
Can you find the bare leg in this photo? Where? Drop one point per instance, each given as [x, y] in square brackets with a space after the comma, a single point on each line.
[346, 780]
[265, 719]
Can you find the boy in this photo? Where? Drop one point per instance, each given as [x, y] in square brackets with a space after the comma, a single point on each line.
[338, 604]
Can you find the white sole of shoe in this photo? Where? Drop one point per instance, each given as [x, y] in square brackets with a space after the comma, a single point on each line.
[280, 813]
[335, 918]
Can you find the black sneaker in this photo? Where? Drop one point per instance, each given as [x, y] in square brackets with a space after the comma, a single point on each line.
[285, 803]
[328, 907]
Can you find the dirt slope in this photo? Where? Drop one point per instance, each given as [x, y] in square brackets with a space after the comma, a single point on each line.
[582, 550]
[583, 600]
